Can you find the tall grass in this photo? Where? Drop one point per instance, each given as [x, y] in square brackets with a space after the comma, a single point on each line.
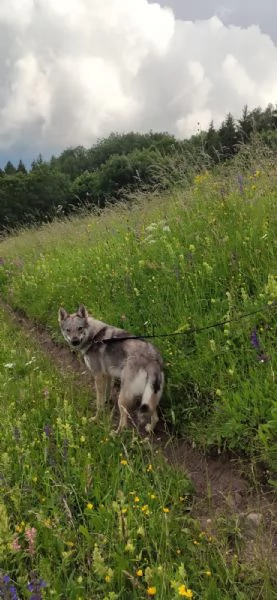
[85, 515]
[188, 258]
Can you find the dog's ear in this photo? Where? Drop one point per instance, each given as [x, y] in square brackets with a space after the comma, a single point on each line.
[62, 314]
[82, 312]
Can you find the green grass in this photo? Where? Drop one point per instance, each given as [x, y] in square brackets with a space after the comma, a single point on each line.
[108, 517]
[186, 259]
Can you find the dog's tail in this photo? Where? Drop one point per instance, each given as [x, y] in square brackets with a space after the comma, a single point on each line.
[152, 391]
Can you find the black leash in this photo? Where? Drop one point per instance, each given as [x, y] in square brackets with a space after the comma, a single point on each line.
[188, 331]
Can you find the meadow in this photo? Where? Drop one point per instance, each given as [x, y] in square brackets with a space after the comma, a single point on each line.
[84, 515]
[186, 259]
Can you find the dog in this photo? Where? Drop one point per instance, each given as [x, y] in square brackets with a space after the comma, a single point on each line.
[109, 353]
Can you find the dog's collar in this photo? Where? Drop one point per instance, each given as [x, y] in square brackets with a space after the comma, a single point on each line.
[99, 338]
[96, 339]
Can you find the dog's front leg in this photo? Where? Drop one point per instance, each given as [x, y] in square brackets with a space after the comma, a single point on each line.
[109, 383]
[100, 387]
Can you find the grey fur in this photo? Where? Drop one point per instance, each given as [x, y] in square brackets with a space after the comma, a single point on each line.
[136, 363]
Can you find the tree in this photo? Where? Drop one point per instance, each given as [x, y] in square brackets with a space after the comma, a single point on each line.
[37, 162]
[9, 169]
[72, 162]
[116, 174]
[85, 189]
[21, 168]
[13, 200]
[212, 143]
[228, 137]
[48, 191]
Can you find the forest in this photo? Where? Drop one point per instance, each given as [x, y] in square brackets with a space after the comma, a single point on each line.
[120, 165]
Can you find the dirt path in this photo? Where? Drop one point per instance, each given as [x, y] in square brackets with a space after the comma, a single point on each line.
[221, 486]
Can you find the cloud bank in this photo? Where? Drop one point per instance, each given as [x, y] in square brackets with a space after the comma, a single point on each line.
[72, 71]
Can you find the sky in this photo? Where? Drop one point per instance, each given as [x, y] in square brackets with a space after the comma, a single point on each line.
[73, 71]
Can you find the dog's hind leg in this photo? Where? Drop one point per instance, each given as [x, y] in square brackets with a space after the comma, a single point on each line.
[154, 419]
[123, 405]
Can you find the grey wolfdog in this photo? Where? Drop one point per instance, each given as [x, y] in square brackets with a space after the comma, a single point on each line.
[108, 353]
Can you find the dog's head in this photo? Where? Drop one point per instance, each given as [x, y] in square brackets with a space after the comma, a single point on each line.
[75, 327]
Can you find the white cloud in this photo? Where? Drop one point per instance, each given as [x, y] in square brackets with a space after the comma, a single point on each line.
[74, 70]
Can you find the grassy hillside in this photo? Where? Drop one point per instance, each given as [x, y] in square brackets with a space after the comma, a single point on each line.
[84, 515]
[187, 259]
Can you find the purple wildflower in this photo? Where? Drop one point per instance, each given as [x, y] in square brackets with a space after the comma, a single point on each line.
[261, 355]
[35, 586]
[7, 590]
[13, 592]
[255, 340]
[47, 430]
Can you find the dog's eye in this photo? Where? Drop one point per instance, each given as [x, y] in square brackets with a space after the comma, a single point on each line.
[80, 329]
[68, 330]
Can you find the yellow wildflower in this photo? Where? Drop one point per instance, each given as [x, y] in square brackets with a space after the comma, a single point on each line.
[123, 461]
[90, 506]
[151, 591]
[166, 509]
[184, 591]
[139, 573]
[208, 573]
[20, 527]
[47, 522]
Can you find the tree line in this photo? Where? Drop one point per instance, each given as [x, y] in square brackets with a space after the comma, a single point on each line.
[118, 165]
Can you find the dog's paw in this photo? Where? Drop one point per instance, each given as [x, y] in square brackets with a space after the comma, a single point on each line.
[148, 428]
[114, 432]
[93, 419]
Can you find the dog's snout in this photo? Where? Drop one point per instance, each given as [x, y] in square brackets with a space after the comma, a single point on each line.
[75, 342]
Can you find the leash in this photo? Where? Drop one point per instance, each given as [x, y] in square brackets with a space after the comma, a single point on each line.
[190, 330]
